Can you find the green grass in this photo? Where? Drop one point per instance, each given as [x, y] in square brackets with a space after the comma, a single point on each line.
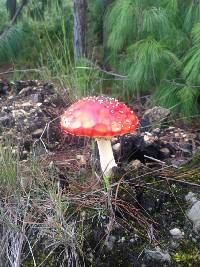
[9, 167]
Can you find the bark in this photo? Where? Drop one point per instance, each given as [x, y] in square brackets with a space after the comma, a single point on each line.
[80, 25]
[11, 6]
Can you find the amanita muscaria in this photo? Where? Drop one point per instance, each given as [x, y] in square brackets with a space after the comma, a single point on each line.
[102, 118]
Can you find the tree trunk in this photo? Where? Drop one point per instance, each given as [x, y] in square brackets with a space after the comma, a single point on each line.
[12, 7]
[80, 8]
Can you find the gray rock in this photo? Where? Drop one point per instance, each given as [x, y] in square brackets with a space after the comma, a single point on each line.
[37, 98]
[176, 233]
[154, 118]
[26, 91]
[6, 120]
[194, 215]
[157, 255]
[165, 152]
[117, 147]
[110, 242]
[191, 197]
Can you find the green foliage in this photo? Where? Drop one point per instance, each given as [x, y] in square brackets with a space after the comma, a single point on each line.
[179, 99]
[156, 45]
[8, 167]
[150, 60]
[155, 22]
[10, 43]
[121, 29]
[192, 15]
[191, 71]
[11, 6]
[4, 17]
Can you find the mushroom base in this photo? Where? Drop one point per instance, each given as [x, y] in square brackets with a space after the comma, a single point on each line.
[106, 156]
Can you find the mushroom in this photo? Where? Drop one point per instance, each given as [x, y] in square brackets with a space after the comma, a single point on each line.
[102, 118]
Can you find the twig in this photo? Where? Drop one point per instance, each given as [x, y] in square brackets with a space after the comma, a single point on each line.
[104, 71]
[27, 70]
[178, 181]
[156, 160]
[46, 128]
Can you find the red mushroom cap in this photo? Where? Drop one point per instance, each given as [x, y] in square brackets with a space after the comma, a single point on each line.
[97, 117]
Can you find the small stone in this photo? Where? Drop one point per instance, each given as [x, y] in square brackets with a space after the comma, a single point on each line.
[5, 120]
[25, 104]
[136, 164]
[176, 233]
[51, 165]
[156, 131]
[174, 244]
[82, 159]
[7, 109]
[26, 91]
[117, 147]
[146, 138]
[157, 255]
[110, 242]
[37, 133]
[24, 155]
[186, 149]
[36, 98]
[154, 118]
[47, 101]
[165, 152]
[39, 104]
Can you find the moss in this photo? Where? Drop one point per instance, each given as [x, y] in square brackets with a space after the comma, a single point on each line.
[187, 255]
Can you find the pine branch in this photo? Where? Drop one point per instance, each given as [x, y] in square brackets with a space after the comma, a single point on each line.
[18, 11]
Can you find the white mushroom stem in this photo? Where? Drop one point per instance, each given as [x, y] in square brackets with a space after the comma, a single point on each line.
[106, 156]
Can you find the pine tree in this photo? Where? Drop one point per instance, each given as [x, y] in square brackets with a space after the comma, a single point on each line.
[157, 45]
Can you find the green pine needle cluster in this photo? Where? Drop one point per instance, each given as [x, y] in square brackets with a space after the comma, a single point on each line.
[157, 45]
[10, 43]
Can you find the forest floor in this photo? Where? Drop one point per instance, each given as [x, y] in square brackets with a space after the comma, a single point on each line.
[149, 217]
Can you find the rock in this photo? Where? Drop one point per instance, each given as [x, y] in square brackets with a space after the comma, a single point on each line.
[157, 255]
[82, 159]
[26, 91]
[165, 152]
[135, 164]
[117, 147]
[26, 104]
[149, 138]
[191, 197]
[6, 120]
[154, 118]
[186, 149]
[194, 215]
[7, 109]
[27, 145]
[37, 133]
[49, 87]
[47, 101]
[174, 244]
[24, 155]
[176, 233]
[39, 97]
[110, 242]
